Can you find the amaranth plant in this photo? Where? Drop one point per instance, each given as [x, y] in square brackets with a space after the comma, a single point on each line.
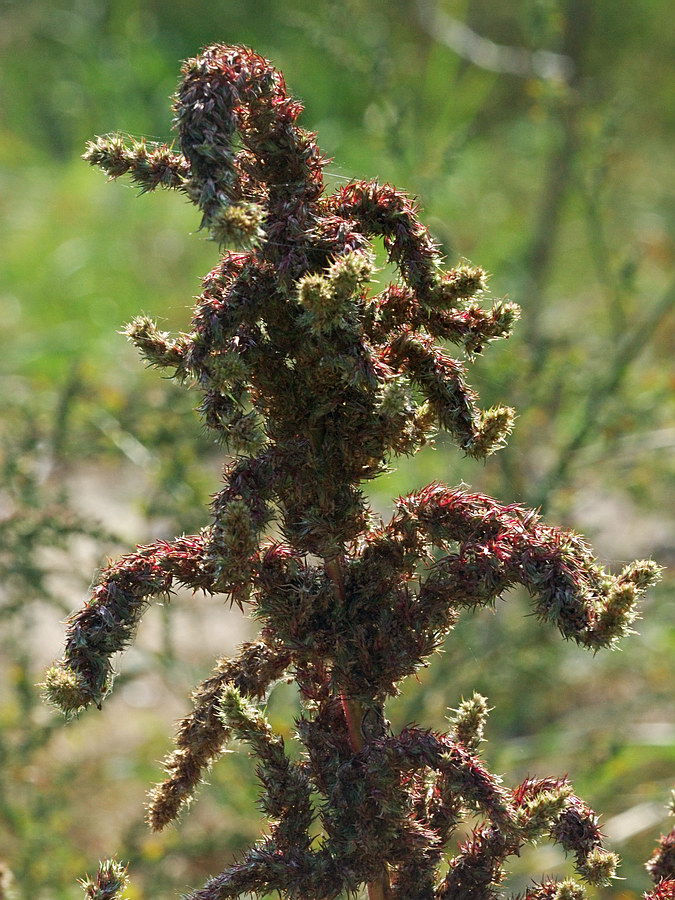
[313, 384]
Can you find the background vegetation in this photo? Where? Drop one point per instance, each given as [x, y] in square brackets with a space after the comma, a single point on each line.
[538, 136]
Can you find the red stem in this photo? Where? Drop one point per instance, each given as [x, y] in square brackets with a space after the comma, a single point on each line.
[353, 712]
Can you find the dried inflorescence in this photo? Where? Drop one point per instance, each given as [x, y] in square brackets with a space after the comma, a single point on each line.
[661, 866]
[108, 883]
[313, 383]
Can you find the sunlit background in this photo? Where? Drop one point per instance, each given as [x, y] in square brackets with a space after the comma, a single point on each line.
[538, 136]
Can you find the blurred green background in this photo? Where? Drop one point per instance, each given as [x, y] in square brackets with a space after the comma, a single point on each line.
[537, 135]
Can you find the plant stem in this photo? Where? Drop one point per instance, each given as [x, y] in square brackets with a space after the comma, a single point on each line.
[353, 715]
[353, 711]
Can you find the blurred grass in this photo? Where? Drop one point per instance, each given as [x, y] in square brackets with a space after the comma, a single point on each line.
[563, 191]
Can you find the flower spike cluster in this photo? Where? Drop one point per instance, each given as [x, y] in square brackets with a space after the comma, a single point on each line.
[661, 866]
[313, 382]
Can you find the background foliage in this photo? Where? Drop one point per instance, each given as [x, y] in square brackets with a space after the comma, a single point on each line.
[553, 172]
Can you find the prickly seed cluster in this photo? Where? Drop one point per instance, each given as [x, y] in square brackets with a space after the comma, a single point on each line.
[109, 882]
[313, 382]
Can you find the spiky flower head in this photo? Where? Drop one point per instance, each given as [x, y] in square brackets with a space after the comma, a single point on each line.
[468, 723]
[237, 224]
[600, 866]
[570, 890]
[66, 689]
[109, 883]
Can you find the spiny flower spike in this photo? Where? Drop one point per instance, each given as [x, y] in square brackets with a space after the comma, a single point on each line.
[661, 866]
[313, 382]
[109, 882]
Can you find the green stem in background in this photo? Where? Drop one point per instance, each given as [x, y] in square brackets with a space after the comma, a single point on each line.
[605, 388]
[538, 257]
[614, 286]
